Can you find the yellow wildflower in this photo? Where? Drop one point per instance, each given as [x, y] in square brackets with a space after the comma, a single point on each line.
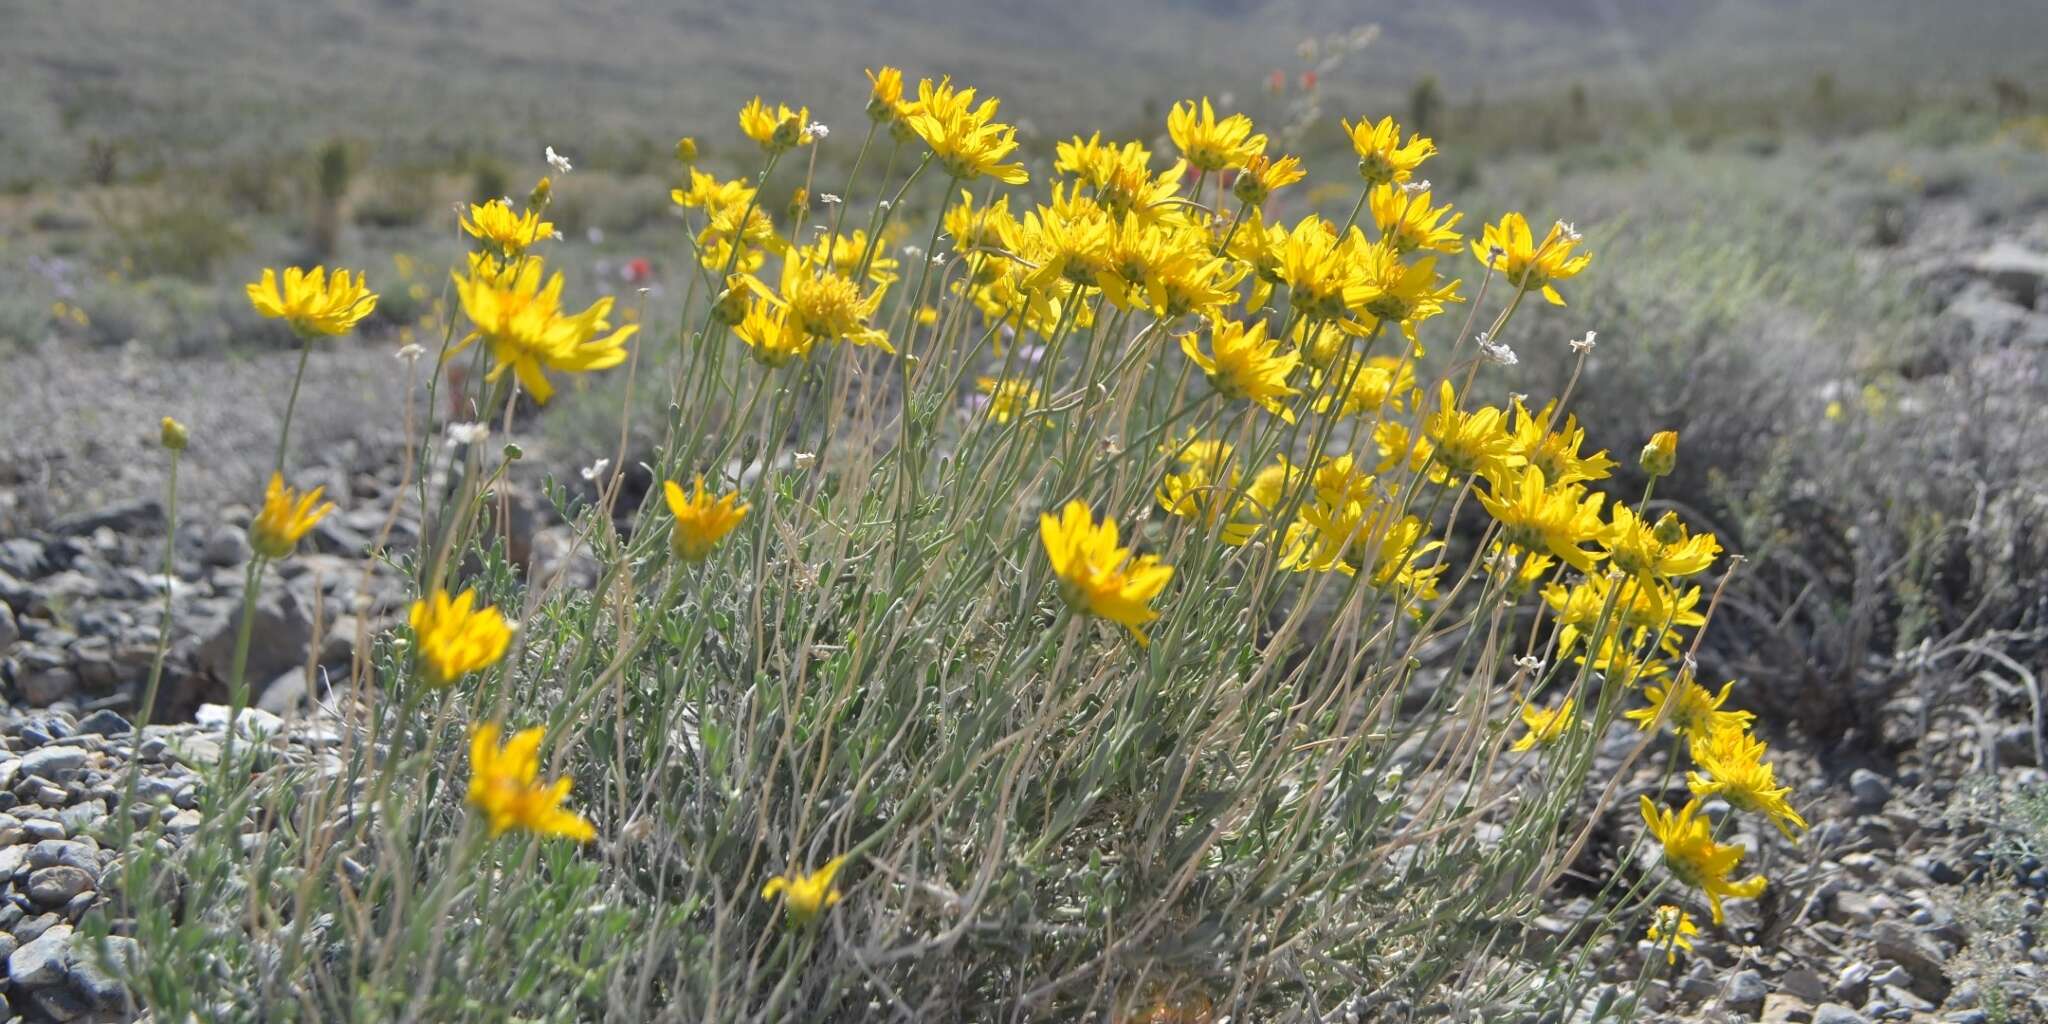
[1732, 766]
[503, 784]
[1545, 725]
[526, 330]
[965, 138]
[1208, 143]
[495, 223]
[1660, 456]
[777, 129]
[1536, 516]
[1009, 398]
[885, 95]
[1695, 858]
[1264, 176]
[1097, 575]
[286, 516]
[1471, 442]
[1672, 928]
[1382, 156]
[826, 304]
[1556, 452]
[171, 434]
[767, 331]
[701, 520]
[456, 638]
[1689, 709]
[1387, 289]
[311, 302]
[1364, 388]
[1529, 265]
[1665, 550]
[1409, 223]
[805, 896]
[1244, 363]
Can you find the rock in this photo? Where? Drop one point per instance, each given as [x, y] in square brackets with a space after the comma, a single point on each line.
[1783, 1008]
[226, 546]
[287, 695]
[2014, 270]
[41, 963]
[1744, 992]
[24, 557]
[1870, 790]
[105, 722]
[1836, 1013]
[10, 630]
[1804, 984]
[93, 660]
[279, 640]
[44, 828]
[138, 515]
[59, 1004]
[55, 886]
[43, 676]
[95, 973]
[1853, 982]
[80, 854]
[1978, 313]
[1918, 953]
[332, 536]
[14, 593]
[1905, 999]
[53, 762]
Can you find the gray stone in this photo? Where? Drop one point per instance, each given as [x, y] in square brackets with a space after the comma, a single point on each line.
[227, 546]
[24, 557]
[1917, 952]
[1870, 790]
[44, 828]
[2013, 269]
[77, 853]
[59, 1004]
[105, 722]
[287, 695]
[137, 515]
[41, 963]
[96, 972]
[83, 816]
[1744, 992]
[10, 630]
[1803, 983]
[55, 886]
[282, 632]
[52, 763]
[1784, 1008]
[43, 677]
[1836, 1013]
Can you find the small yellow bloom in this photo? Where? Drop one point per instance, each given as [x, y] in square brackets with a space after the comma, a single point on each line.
[767, 331]
[775, 129]
[1510, 248]
[701, 520]
[1244, 363]
[503, 785]
[1691, 710]
[511, 233]
[1208, 143]
[1666, 550]
[885, 99]
[1556, 451]
[1660, 456]
[286, 516]
[965, 138]
[805, 896]
[826, 304]
[1097, 575]
[1410, 223]
[1695, 858]
[1382, 156]
[171, 434]
[1472, 442]
[1264, 176]
[1537, 517]
[1733, 767]
[311, 302]
[1546, 725]
[523, 324]
[1009, 398]
[455, 637]
[1672, 928]
[686, 150]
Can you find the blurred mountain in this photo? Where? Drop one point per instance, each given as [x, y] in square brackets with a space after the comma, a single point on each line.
[199, 80]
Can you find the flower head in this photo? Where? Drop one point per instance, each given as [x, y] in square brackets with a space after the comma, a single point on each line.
[1528, 264]
[1672, 928]
[775, 129]
[1695, 858]
[1666, 550]
[1008, 398]
[767, 331]
[967, 140]
[1382, 156]
[171, 435]
[1264, 176]
[455, 637]
[510, 232]
[1471, 442]
[826, 304]
[1244, 363]
[523, 324]
[503, 784]
[286, 516]
[1410, 223]
[311, 302]
[1691, 710]
[701, 519]
[1539, 516]
[1208, 143]
[885, 98]
[1732, 766]
[1097, 575]
[1545, 725]
[1660, 456]
[805, 896]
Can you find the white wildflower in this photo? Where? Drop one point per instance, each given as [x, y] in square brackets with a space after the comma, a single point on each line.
[830, 199]
[1571, 234]
[595, 469]
[559, 162]
[1585, 344]
[460, 434]
[409, 353]
[1418, 185]
[1496, 351]
[818, 129]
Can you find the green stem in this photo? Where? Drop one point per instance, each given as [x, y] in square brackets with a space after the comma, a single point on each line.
[284, 433]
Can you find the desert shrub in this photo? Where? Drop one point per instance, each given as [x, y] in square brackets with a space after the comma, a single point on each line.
[178, 232]
[1110, 605]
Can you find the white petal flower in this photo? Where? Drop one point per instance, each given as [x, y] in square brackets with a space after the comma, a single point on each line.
[559, 162]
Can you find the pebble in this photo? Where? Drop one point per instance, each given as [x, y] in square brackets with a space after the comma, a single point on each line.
[57, 885]
[41, 963]
[51, 762]
[1870, 790]
[1836, 1013]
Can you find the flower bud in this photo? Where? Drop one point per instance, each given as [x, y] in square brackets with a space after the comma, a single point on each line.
[799, 203]
[788, 132]
[171, 434]
[1660, 456]
[686, 150]
[513, 453]
[731, 306]
[1249, 189]
[1668, 530]
[543, 191]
